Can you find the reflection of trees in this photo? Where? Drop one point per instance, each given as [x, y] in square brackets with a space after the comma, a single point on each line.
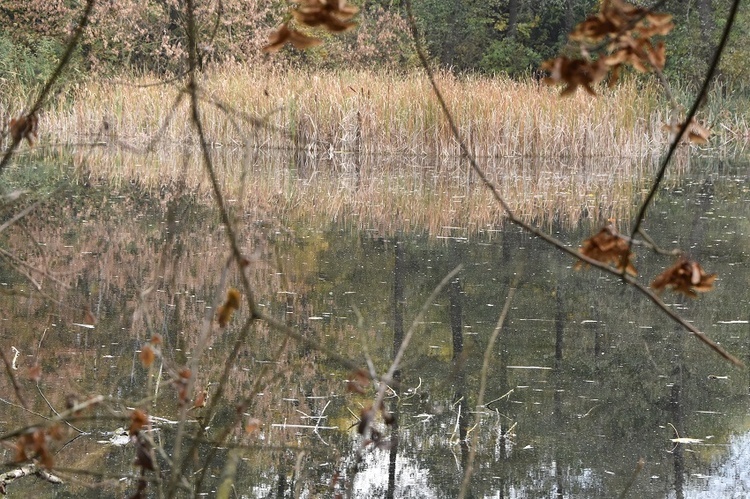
[399, 278]
[606, 405]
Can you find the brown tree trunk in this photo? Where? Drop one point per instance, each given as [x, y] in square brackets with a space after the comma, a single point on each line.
[707, 28]
[512, 18]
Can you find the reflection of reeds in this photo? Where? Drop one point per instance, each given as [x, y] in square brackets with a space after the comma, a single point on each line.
[377, 112]
[393, 193]
[158, 272]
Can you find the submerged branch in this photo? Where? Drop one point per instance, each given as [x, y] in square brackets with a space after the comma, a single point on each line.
[29, 469]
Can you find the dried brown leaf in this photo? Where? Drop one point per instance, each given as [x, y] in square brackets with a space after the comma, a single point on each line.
[35, 373]
[285, 35]
[253, 425]
[225, 311]
[200, 400]
[609, 247]
[138, 420]
[686, 277]
[24, 127]
[147, 355]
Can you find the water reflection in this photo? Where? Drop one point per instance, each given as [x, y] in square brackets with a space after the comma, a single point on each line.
[585, 379]
[388, 194]
[727, 476]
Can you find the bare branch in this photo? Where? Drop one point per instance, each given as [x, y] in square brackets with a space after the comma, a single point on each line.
[534, 230]
[688, 119]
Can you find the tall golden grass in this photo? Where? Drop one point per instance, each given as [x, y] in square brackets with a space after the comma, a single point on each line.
[373, 113]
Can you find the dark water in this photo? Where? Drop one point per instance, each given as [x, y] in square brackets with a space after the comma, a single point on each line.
[585, 379]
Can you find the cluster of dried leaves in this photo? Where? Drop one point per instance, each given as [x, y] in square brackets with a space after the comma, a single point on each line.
[619, 34]
[686, 277]
[608, 246]
[35, 445]
[332, 15]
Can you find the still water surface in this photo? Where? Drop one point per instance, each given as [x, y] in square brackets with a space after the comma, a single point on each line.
[586, 378]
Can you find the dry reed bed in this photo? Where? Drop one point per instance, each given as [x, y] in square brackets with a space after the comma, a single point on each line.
[373, 113]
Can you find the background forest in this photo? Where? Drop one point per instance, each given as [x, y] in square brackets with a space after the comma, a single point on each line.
[496, 36]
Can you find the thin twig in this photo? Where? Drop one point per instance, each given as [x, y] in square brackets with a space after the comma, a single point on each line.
[52, 408]
[238, 414]
[388, 378]
[8, 402]
[14, 382]
[18, 216]
[60, 417]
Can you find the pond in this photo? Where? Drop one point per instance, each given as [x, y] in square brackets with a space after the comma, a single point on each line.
[590, 390]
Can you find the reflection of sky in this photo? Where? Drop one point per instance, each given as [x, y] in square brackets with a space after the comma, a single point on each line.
[411, 480]
[728, 477]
